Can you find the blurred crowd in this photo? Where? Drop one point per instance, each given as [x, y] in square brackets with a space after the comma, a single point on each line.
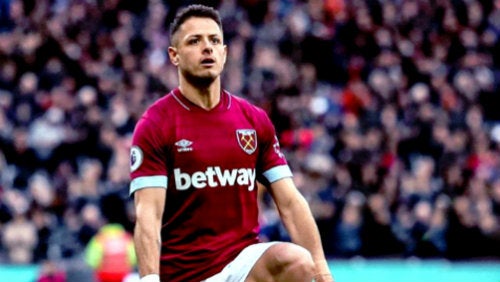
[386, 110]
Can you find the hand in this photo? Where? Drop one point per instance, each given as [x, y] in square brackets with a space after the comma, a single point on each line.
[323, 277]
[322, 271]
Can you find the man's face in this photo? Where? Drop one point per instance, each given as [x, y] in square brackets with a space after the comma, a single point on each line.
[198, 50]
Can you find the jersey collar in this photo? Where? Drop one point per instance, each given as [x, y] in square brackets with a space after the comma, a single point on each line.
[224, 103]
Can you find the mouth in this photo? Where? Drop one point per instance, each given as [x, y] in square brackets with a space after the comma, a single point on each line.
[208, 62]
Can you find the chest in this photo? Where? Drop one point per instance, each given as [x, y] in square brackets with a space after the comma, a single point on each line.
[225, 140]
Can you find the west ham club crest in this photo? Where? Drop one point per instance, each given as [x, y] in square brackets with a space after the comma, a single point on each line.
[247, 139]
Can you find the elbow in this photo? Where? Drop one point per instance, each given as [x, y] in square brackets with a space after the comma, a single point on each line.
[147, 230]
[296, 205]
[147, 222]
[299, 203]
[151, 214]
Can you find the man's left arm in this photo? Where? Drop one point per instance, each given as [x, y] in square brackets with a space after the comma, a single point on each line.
[299, 222]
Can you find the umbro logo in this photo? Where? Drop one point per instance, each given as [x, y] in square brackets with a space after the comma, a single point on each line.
[184, 145]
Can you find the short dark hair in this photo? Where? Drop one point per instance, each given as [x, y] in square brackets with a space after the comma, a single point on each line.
[197, 11]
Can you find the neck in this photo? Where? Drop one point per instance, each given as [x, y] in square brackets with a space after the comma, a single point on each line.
[205, 96]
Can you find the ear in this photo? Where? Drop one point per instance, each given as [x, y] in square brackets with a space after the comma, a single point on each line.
[225, 55]
[173, 55]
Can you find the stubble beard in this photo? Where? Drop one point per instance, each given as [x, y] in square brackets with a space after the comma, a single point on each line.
[199, 81]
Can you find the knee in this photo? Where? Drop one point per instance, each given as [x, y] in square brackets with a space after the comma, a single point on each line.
[292, 258]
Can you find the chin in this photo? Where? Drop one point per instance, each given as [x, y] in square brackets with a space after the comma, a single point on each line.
[201, 78]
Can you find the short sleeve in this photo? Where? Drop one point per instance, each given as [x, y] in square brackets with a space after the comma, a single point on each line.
[148, 166]
[272, 163]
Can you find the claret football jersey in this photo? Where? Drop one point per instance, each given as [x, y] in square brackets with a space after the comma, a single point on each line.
[209, 162]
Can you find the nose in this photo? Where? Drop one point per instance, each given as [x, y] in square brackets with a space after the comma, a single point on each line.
[207, 46]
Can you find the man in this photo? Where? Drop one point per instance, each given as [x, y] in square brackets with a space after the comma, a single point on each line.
[195, 159]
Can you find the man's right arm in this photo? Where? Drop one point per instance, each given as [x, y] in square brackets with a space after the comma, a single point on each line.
[149, 205]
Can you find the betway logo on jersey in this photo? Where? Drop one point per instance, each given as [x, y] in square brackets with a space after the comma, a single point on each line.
[215, 177]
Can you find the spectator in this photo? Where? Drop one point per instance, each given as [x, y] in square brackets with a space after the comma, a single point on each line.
[20, 237]
[348, 235]
[51, 272]
[110, 252]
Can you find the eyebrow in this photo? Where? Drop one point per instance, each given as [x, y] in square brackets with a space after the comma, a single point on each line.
[201, 35]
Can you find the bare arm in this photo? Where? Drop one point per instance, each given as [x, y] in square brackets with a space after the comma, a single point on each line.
[149, 205]
[299, 222]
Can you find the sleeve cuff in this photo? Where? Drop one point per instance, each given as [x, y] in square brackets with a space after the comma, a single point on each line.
[148, 181]
[278, 172]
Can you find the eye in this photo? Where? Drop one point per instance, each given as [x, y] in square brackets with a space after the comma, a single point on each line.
[216, 40]
[193, 41]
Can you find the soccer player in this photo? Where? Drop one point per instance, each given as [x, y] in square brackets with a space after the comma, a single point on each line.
[196, 157]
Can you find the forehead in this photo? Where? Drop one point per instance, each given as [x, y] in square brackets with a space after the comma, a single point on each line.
[199, 26]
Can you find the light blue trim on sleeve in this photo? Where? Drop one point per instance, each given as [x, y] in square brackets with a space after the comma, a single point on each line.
[148, 181]
[278, 172]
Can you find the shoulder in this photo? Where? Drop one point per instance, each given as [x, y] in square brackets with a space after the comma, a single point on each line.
[155, 118]
[246, 107]
[255, 115]
[160, 107]
[159, 112]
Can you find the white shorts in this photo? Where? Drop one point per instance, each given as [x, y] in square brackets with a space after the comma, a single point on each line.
[238, 269]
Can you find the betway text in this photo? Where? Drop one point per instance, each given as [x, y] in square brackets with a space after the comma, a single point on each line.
[215, 177]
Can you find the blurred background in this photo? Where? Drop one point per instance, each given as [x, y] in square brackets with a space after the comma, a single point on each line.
[387, 110]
